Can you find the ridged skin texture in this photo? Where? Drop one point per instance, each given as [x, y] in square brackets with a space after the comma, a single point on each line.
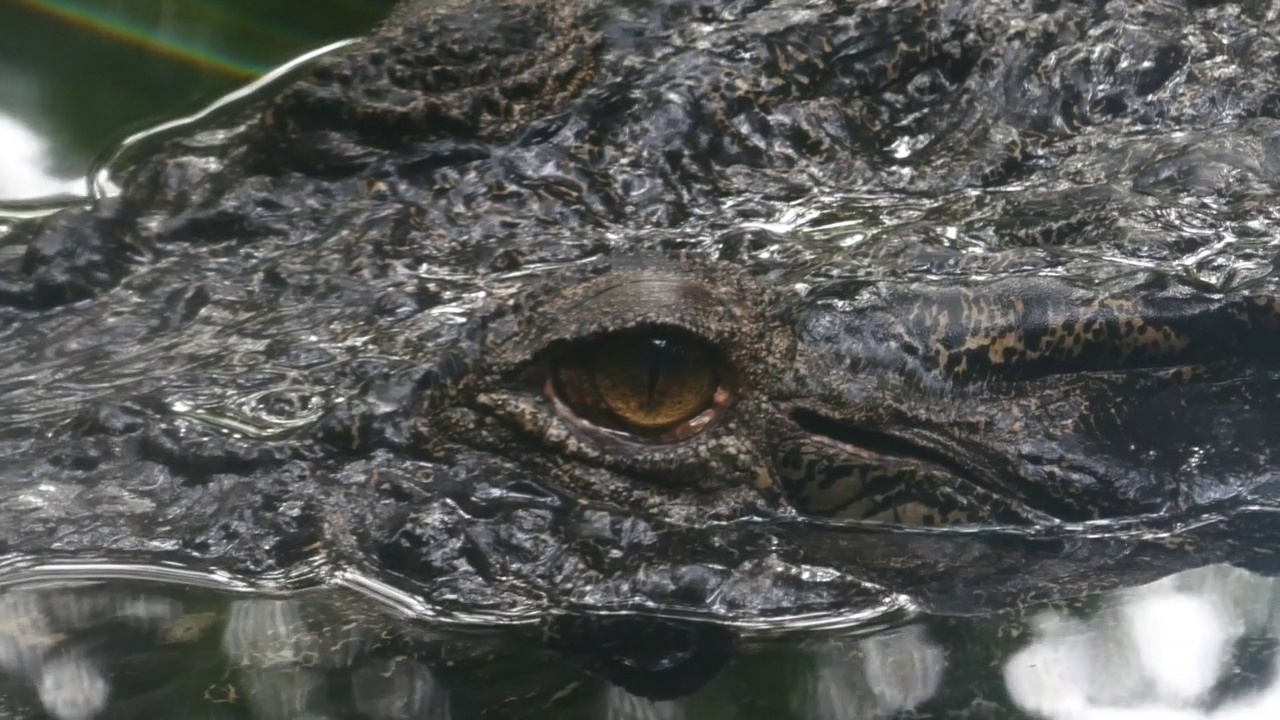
[994, 264]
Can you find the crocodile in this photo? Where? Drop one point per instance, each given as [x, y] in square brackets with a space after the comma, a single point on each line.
[741, 309]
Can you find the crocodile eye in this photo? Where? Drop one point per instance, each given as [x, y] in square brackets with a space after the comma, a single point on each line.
[655, 386]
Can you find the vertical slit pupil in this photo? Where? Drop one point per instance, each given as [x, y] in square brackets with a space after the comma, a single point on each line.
[658, 351]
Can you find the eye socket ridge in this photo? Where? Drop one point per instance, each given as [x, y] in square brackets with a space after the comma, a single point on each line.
[649, 384]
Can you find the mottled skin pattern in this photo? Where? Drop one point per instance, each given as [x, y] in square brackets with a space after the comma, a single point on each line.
[991, 264]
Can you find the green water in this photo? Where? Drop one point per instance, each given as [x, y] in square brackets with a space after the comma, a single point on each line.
[1198, 646]
[81, 75]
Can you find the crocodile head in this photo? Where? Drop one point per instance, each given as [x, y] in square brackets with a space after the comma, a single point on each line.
[695, 392]
[744, 309]
[688, 435]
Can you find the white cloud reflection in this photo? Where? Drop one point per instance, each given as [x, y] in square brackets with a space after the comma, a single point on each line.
[24, 165]
[1157, 652]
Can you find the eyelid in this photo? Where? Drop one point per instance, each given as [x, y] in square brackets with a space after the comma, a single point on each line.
[601, 309]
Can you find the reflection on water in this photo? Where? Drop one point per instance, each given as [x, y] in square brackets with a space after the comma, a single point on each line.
[27, 170]
[872, 677]
[77, 77]
[1171, 649]
[1196, 646]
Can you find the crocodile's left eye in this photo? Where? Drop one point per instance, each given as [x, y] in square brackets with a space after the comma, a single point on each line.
[652, 385]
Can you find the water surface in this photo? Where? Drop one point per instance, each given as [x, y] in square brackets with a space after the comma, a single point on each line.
[1197, 646]
[78, 76]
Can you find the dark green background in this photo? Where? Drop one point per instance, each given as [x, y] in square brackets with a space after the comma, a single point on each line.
[85, 88]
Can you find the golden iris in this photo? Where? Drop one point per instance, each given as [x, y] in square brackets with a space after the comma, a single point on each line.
[644, 383]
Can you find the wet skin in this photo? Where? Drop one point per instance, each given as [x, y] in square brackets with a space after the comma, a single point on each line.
[508, 306]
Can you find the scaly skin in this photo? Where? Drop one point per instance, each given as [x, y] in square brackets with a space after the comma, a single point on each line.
[326, 331]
